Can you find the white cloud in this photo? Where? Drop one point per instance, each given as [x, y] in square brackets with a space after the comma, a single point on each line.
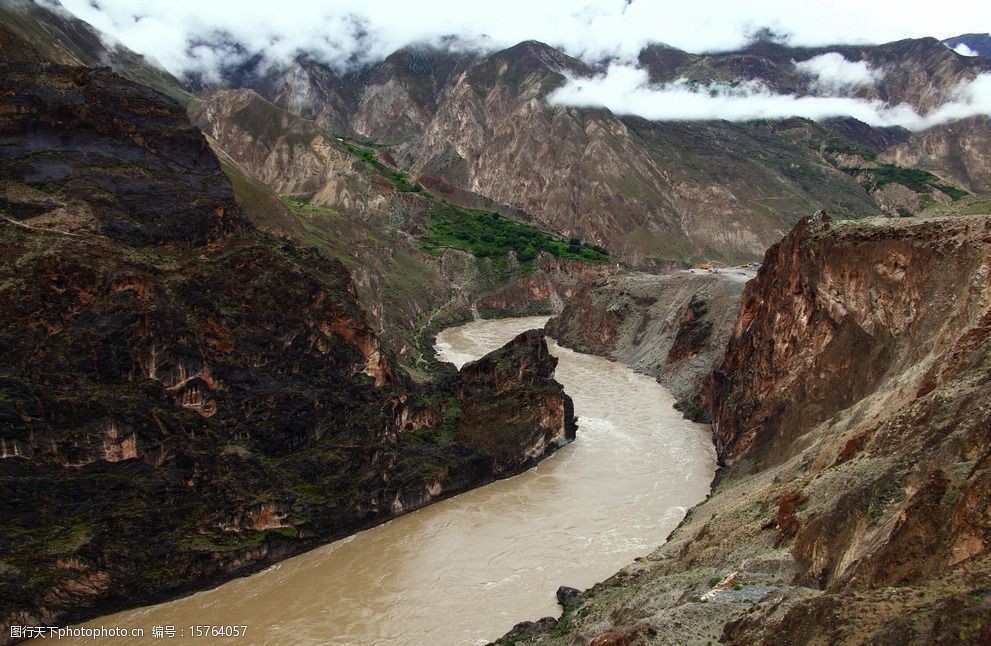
[344, 31]
[626, 90]
[963, 50]
[969, 99]
[833, 72]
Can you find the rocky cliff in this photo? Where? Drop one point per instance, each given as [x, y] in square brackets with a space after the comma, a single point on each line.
[851, 413]
[672, 326]
[145, 183]
[842, 311]
[184, 398]
[546, 290]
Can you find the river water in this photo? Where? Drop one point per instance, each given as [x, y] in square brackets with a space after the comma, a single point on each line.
[465, 570]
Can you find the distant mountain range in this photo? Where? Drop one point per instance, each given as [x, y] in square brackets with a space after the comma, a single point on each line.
[647, 191]
[651, 190]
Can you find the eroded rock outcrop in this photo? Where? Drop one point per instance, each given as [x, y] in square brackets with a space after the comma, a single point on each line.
[672, 326]
[509, 401]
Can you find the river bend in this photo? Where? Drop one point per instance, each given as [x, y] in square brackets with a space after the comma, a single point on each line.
[465, 570]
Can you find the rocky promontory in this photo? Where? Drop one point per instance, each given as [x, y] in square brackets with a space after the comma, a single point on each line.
[510, 401]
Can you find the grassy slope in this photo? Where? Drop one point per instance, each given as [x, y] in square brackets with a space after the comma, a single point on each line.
[485, 233]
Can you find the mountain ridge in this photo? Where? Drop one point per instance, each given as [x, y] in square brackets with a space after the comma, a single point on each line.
[153, 324]
[686, 192]
[489, 130]
[980, 44]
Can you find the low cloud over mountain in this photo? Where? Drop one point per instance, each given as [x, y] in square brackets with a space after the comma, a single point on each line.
[625, 89]
[191, 36]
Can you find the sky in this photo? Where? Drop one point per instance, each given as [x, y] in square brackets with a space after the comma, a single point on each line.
[197, 36]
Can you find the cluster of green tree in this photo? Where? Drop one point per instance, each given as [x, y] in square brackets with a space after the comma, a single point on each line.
[485, 234]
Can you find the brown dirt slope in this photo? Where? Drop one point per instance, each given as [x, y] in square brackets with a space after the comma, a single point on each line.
[672, 326]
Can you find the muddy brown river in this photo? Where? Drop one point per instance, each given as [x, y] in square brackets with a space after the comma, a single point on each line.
[465, 570]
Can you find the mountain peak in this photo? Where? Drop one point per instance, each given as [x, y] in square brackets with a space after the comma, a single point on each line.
[536, 53]
[970, 44]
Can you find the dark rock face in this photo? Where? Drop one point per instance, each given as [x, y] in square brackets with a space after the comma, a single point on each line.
[554, 283]
[183, 398]
[566, 595]
[509, 400]
[693, 331]
[39, 32]
[148, 175]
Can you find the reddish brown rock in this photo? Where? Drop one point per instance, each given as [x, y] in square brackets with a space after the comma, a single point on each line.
[836, 311]
[852, 415]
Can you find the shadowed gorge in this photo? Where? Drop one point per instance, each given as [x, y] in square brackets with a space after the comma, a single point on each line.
[229, 293]
[432, 577]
